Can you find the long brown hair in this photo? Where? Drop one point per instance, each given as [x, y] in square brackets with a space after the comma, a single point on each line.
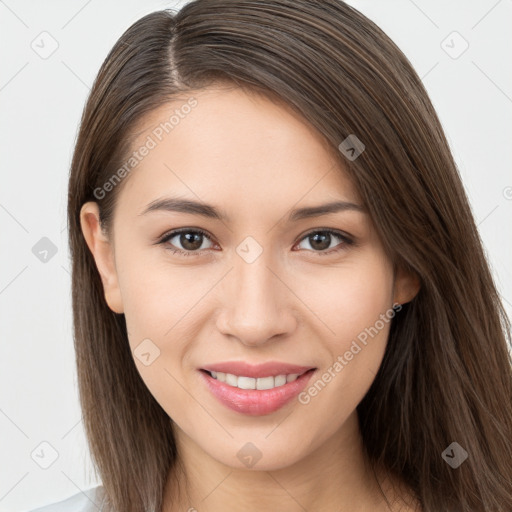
[446, 375]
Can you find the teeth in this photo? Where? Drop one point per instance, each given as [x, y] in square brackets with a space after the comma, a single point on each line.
[265, 383]
[279, 380]
[243, 382]
[246, 383]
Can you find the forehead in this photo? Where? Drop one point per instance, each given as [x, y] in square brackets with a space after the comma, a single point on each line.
[228, 145]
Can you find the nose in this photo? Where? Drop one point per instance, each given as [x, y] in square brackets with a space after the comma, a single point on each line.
[256, 303]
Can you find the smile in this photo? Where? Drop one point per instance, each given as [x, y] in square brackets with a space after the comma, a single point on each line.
[255, 389]
[243, 382]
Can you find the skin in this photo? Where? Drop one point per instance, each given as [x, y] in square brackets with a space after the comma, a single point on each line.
[256, 160]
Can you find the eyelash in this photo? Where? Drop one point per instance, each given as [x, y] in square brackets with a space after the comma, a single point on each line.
[166, 237]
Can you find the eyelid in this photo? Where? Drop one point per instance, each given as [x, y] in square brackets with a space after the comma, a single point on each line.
[332, 231]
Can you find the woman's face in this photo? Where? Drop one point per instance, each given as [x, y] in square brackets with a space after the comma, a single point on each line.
[262, 290]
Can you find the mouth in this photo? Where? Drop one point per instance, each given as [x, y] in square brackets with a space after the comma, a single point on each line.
[255, 390]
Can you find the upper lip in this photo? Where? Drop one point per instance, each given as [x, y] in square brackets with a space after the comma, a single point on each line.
[268, 369]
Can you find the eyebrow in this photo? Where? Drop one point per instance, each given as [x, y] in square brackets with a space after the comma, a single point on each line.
[174, 204]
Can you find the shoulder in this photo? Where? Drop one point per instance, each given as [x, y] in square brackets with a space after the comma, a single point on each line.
[86, 501]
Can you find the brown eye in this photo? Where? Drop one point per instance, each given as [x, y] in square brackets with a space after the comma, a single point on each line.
[185, 241]
[321, 240]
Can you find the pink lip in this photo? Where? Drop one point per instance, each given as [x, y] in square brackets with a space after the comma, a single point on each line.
[252, 401]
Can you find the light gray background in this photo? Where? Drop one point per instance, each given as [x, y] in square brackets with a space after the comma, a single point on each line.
[41, 100]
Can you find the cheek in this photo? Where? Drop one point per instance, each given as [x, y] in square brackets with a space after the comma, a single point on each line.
[164, 308]
[158, 305]
[157, 295]
[348, 299]
[356, 310]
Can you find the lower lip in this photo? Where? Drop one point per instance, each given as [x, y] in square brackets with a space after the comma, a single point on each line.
[252, 401]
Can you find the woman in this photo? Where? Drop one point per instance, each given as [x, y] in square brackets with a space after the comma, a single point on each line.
[280, 297]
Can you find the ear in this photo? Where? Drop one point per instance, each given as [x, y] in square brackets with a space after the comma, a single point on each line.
[407, 285]
[103, 253]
